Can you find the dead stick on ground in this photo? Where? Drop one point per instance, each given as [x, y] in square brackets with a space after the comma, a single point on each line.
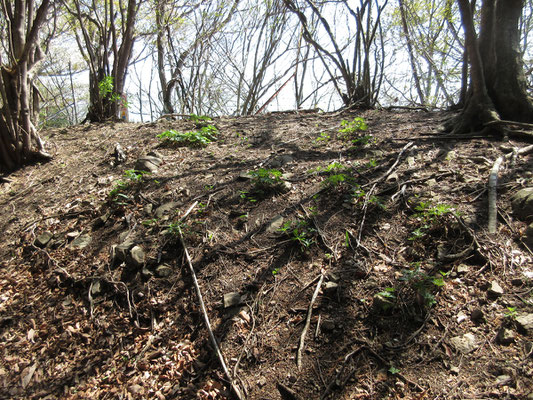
[493, 183]
[307, 323]
[389, 171]
[220, 356]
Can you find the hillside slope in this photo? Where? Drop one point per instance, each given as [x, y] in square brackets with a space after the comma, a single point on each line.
[415, 300]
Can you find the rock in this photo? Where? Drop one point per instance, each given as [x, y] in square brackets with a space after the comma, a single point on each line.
[382, 302]
[495, 290]
[165, 209]
[463, 269]
[455, 370]
[119, 154]
[96, 288]
[525, 322]
[120, 252]
[261, 382]
[244, 175]
[148, 164]
[281, 160]
[327, 326]
[232, 299]
[522, 203]
[156, 154]
[163, 271]
[528, 237]
[81, 241]
[431, 182]
[146, 273]
[148, 208]
[411, 161]
[465, 344]
[43, 239]
[331, 287]
[502, 380]
[505, 336]
[477, 315]
[284, 187]
[136, 256]
[275, 224]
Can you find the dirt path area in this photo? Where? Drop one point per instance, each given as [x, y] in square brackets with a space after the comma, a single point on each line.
[416, 300]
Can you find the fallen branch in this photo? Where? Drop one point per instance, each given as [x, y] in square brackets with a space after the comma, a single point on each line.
[389, 171]
[493, 183]
[220, 356]
[307, 322]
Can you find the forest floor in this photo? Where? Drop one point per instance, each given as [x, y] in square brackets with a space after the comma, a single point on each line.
[387, 226]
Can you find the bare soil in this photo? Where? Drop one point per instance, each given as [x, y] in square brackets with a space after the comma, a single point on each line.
[397, 229]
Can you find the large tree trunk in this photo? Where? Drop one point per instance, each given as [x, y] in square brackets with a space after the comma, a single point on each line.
[19, 140]
[497, 81]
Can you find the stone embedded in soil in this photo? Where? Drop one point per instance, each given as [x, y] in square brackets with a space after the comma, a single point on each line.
[522, 203]
[81, 241]
[281, 160]
[382, 303]
[466, 343]
[136, 256]
[284, 187]
[528, 237]
[275, 224]
[96, 288]
[477, 315]
[148, 208]
[331, 287]
[148, 164]
[120, 252]
[506, 336]
[245, 175]
[495, 290]
[261, 381]
[163, 271]
[462, 269]
[165, 208]
[525, 322]
[43, 239]
[232, 299]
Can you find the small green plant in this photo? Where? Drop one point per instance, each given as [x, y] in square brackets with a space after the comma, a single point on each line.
[322, 137]
[265, 178]
[393, 370]
[176, 228]
[149, 222]
[388, 293]
[333, 167]
[106, 86]
[199, 118]
[350, 127]
[299, 231]
[429, 217]
[423, 284]
[131, 176]
[200, 138]
[511, 313]
[245, 195]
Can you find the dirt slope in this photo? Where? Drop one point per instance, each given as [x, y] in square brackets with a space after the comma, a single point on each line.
[416, 300]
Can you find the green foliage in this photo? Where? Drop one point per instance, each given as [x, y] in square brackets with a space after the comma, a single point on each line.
[511, 313]
[299, 231]
[265, 178]
[350, 127]
[200, 118]
[423, 284]
[429, 216]
[200, 138]
[131, 177]
[335, 180]
[106, 87]
[388, 293]
[322, 137]
[176, 228]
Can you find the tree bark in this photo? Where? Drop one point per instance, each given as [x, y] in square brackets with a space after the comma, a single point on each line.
[19, 140]
[497, 80]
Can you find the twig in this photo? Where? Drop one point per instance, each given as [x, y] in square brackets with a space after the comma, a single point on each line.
[220, 356]
[388, 172]
[307, 323]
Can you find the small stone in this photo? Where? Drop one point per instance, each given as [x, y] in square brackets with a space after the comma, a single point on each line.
[232, 299]
[331, 287]
[43, 239]
[461, 316]
[284, 187]
[477, 315]
[261, 382]
[455, 370]
[465, 344]
[163, 271]
[528, 237]
[525, 322]
[165, 209]
[148, 164]
[495, 290]
[503, 380]
[136, 256]
[522, 203]
[121, 251]
[327, 326]
[431, 182]
[148, 208]
[81, 241]
[96, 288]
[275, 224]
[382, 303]
[463, 269]
[505, 336]
[411, 161]
[146, 273]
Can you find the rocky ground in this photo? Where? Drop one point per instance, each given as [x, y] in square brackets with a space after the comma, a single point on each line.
[334, 262]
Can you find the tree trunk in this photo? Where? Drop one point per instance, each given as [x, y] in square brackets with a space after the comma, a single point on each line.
[19, 140]
[497, 80]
